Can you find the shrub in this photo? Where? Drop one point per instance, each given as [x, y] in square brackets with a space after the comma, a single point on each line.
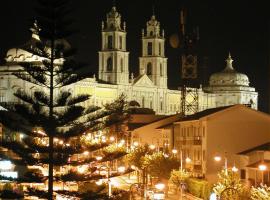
[199, 188]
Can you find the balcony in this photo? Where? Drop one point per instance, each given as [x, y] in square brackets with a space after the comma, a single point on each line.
[197, 141]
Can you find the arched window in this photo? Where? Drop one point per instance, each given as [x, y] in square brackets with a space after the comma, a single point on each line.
[109, 64]
[110, 42]
[122, 65]
[149, 48]
[149, 69]
[161, 69]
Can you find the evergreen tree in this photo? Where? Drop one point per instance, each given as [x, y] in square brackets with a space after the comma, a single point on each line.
[58, 132]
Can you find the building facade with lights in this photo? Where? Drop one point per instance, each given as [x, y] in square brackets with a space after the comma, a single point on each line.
[149, 88]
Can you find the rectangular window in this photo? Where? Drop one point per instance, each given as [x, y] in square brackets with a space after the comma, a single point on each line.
[159, 49]
[149, 48]
[110, 42]
[243, 174]
[120, 42]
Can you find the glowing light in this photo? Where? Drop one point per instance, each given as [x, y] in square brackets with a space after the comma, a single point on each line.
[41, 132]
[152, 146]
[86, 153]
[67, 144]
[55, 139]
[217, 158]
[61, 142]
[160, 186]
[6, 165]
[174, 151]
[136, 144]
[114, 183]
[262, 167]
[82, 169]
[121, 169]
[234, 169]
[112, 138]
[99, 182]
[122, 141]
[99, 158]
[188, 160]
[21, 136]
[166, 155]
[133, 167]
[9, 174]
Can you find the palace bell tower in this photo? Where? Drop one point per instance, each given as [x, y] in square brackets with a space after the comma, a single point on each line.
[153, 62]
[113, 57]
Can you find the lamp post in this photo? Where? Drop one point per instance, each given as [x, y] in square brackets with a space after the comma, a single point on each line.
[218, 159]
[262, 168]
[174, 151]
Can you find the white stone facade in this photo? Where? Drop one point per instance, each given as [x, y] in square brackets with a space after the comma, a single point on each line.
[149, 89]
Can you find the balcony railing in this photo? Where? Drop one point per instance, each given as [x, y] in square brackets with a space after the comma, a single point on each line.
[197, 141]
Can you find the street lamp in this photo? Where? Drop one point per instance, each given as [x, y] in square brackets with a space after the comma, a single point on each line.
[234, 169]
[152, 147]
[262, 168]
[218, 159]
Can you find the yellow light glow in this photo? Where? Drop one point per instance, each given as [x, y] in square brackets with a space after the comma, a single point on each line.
[262, 167]
[86, 153]
[112, 138]
[234, 169]
[121, 169]
[82, 169]
[217, 158]
[122, 141]
[152, 146]
[133, 167]
[188, 160]
[99, 158]
[55, 139]
[99, 182]
[136, 144]
[174, 151]
[160, 186]
[61, 142]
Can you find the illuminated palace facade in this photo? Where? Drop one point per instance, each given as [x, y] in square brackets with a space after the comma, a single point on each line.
[149, 88]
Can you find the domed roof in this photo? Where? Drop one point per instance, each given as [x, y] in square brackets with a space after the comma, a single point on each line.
[229, 76]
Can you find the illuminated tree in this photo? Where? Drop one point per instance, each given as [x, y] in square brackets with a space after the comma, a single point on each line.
[260, 193]
[178, 177]
[160, 165]
[119, 116]
[57, 134]
[137, 158]
[229, 185]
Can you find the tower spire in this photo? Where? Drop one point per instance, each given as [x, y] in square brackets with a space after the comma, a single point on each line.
[229, 61]
[153, 10]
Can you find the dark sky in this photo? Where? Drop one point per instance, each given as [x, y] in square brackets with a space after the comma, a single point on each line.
[238, 26]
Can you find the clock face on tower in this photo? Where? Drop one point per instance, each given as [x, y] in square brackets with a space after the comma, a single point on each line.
[189, 66]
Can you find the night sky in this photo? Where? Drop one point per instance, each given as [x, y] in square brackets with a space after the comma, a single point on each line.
[238, 26]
